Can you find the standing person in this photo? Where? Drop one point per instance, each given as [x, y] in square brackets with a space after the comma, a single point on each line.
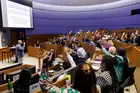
[20, 51]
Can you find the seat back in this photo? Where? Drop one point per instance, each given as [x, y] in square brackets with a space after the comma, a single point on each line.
[13, 75]
[88, 55]
[125, 69]
[34, 85]
[1, 77]
[18, 90]
[121, 87]
[131, 79]
[130, 76]
[34, 79]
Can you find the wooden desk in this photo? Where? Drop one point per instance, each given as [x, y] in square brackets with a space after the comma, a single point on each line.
[33, 51]
[48, 47]
[17, 68]
[135, 55]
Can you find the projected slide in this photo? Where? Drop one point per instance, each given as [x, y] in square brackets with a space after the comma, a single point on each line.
[16, 15]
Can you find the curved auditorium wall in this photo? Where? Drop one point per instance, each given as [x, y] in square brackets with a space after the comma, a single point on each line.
[53, 19]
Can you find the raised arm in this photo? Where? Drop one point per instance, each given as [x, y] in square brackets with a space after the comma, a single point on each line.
[66, 50]
[106, 52]
[21, 48]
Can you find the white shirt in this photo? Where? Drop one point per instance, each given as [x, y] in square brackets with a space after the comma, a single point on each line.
[81, 52]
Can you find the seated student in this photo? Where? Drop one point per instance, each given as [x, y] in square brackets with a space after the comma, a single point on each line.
[48, 58]
[22, 85]
[107, 80]
[110, 43]
[81, 52]
[37, 44]
[75, 57]
[85, 79]
[115, 37]
[122, 52]
[127, 39]
[138, 41]
[137, 32]
[85, 39]
[51, 56]
[106, 44]
[47, 86]
[119, 64]
[122, 37]
[134, 37]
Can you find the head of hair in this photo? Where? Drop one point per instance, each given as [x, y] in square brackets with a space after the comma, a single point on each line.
[121, 51]
[75, 57]
[107, 65]
[25, 77]
[85, 79]
[128, 35]
[19, 41]
[78, 44]
[37, 41]
[112, 50]
[45, 64]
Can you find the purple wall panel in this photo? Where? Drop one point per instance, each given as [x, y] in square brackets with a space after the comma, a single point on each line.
[135, 19]
[57, 30]
[117, 21]
[123, 11]
[62, 15]
[49, 21]
[90, 15]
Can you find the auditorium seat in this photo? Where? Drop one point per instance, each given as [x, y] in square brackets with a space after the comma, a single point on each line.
[1, 77]
[13, 75]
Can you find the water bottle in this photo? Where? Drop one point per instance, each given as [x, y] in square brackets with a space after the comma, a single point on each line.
[68, 81]
[9, 86]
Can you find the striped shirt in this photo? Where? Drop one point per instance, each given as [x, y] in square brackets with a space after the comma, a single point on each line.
[47, 86]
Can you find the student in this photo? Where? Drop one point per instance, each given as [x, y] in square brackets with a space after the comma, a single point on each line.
[107, 80]
[122, 52]
[122, 39]
[81, 52]
[134, 37]
[127, 40]
[85, 79]
[37, 44]
[117, 66]
[115, 37]
[22, 85]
